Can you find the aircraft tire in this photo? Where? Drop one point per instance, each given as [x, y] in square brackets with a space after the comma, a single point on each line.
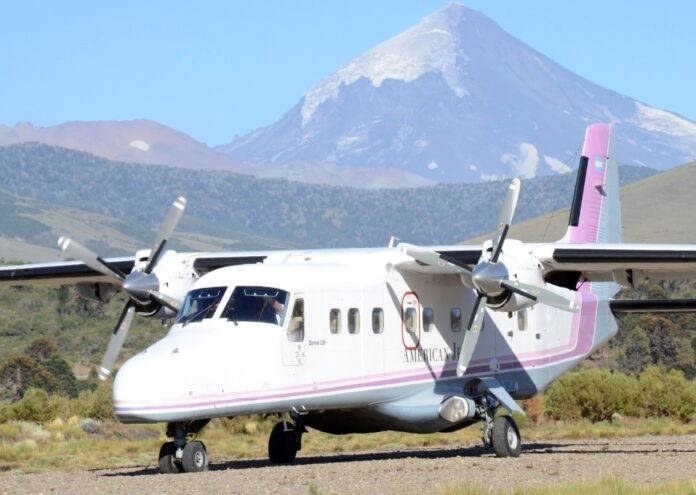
[167, 459]
[282, 445]
[505, 437]
[194, 458]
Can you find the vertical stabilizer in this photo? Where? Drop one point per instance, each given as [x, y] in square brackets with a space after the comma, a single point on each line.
[595, 214]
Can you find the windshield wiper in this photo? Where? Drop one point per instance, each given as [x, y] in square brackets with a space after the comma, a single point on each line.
[201, 313]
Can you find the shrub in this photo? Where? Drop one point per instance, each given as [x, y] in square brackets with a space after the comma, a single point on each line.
[592, 394]
[666, 394]
[97, 404]
[35, 406]
[534, 408]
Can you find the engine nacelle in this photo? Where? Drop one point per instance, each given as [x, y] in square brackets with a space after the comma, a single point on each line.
[102, 292]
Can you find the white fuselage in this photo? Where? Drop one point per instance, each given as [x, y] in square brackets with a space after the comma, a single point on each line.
[373, 335]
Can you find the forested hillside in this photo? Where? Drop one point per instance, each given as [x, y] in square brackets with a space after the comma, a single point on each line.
[262, 211]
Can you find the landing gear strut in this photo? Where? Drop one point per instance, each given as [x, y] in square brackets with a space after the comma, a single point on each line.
[183, 455]
[501, 432]
[285, 441]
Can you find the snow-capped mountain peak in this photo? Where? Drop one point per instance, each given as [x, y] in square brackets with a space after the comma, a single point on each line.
[432, 45]
[456, 98]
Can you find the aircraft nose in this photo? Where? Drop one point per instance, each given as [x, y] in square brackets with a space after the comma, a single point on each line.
[140, 388]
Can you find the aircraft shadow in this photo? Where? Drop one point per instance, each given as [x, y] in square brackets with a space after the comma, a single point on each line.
[531, 448]
[472, 451]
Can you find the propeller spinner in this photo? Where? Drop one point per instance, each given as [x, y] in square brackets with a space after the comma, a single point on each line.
[142, 287]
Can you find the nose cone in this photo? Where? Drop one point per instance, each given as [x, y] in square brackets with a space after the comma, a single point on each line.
[169, 381]
[138, 388]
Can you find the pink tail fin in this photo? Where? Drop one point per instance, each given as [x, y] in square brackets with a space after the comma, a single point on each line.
[595, 215]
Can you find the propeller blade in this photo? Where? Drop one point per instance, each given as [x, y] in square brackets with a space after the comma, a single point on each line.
[165, 231]
[541, 294]
[116, 342]
[165, 300]
[472, 334]
[76, 250]
[505, 219]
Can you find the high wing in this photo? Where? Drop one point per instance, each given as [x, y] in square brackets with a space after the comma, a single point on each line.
[626, 264]
[75, 272]
[59, 273]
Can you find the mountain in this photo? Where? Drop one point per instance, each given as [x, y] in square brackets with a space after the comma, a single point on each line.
[133, 141]
[147, 142]
[114, 207]
[456, 98]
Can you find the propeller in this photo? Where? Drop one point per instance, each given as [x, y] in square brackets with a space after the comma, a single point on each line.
[142, 287]
[490, 278]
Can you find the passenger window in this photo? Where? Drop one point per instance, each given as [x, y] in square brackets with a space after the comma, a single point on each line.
[456, 319]
[377, 320]
[335, 320]
[354, 320]
[410, 315]
[296, 328]
[427, 319]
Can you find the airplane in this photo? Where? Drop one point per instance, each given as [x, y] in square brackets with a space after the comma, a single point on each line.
[407, 338]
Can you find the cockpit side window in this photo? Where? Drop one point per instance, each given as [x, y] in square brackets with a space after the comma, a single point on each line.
[260, 304]
[296, 327]
[200, 304]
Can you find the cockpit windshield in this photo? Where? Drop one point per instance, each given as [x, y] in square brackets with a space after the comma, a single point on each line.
[200, 304]
[264, 304]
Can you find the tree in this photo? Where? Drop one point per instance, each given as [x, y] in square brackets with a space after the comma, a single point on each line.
[635, 355]
[20, 373]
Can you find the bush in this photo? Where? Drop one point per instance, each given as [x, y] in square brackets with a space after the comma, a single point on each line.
[35, 406]
[592, 394]
[666, 394]
[97, 404]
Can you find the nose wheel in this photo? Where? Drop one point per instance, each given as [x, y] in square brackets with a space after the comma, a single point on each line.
[183, 455]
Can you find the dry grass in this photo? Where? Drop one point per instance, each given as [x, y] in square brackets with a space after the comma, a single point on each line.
[64, 444]
[606, 486]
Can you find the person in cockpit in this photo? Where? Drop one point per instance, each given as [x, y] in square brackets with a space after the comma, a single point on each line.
[272, 311]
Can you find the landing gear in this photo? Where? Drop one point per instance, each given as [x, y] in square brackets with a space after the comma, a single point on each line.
[505, 437]
[194, 458]
[183, 455]
[168, 463]
[284, 442]
[499, 432]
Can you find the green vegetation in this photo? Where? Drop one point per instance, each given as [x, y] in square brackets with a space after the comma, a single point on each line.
[227, 205]
[599, 394]
[80, 328]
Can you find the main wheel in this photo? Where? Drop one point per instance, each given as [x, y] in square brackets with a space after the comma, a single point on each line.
[194, 458]
[167, 459]
[505, 437]
[282, 444]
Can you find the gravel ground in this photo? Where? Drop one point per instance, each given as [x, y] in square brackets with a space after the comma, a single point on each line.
[647, 459]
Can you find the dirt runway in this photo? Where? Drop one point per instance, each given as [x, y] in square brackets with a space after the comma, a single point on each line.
[646, 459]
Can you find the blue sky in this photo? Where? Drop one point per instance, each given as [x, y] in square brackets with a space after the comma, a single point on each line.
[214, 69]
